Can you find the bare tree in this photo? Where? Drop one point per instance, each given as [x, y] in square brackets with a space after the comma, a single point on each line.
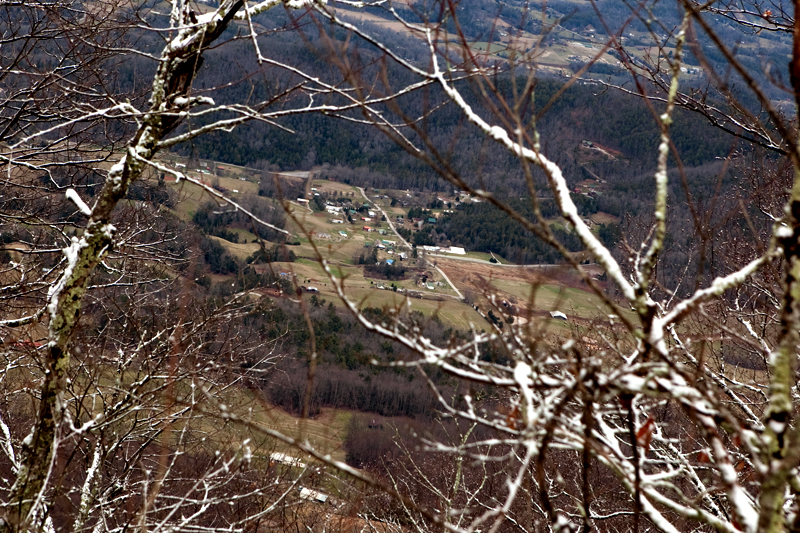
[113, 438]
[118, 432]
[693, 441]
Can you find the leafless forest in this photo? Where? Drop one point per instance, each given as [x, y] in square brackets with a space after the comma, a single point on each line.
[133, 389]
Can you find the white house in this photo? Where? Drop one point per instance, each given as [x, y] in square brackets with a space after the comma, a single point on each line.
[314, 495]
[283, 458]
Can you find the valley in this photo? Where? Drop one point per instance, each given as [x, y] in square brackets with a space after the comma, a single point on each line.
[346, 225]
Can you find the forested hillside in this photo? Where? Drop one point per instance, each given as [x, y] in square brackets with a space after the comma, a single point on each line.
[615, 120]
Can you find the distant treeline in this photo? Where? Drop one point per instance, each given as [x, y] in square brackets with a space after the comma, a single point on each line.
[363, 157]
[384, 393]
[482, 227]
[344, 378]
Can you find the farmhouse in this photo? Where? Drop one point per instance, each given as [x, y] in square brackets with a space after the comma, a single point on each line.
[313, 495]
[285, 459]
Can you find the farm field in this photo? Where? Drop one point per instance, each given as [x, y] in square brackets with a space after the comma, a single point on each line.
[551, 297]
[342, 251]
[325, 431]
[555, 291]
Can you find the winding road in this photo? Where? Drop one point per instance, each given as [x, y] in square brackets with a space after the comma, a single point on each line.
[405, 242]
[388, 220]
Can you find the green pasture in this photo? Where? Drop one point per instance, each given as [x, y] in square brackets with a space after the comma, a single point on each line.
[548, 297]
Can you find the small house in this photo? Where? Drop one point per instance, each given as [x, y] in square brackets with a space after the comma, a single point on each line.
[285, 459]
[312, 495]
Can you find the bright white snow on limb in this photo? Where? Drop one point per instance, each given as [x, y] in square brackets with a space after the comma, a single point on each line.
[78, 201]
[553, 171]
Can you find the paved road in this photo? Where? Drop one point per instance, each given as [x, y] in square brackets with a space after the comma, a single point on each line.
[388, 219]
[405, 242]
[458, 293]
[448, 256]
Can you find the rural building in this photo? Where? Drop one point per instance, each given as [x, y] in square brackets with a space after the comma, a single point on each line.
[312, 495]
[284, 459]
